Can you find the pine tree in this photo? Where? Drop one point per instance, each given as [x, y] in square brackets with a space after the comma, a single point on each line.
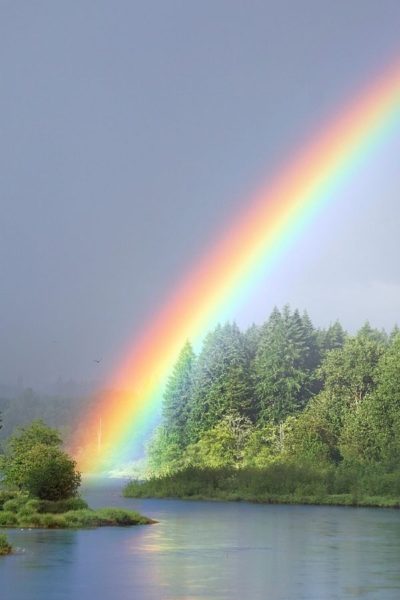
[377, 335]
[252, 339]
[331, 338]
[280, 372]
[221, 382]
[178, 396]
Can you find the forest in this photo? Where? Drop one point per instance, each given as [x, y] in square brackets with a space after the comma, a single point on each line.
[282, 411]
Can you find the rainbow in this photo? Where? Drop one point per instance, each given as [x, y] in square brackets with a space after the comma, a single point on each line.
[245, 253]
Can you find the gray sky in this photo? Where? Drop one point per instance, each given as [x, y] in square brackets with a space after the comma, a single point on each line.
[132, 132]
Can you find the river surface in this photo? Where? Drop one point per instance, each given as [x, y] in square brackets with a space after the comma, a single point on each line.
[210, 550]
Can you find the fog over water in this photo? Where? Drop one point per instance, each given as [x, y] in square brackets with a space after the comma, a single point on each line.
[132, 133]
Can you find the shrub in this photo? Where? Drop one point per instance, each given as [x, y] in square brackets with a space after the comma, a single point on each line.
[61, 506]
[6, 495]
[5, 547]
[8, 519]
[16, 503]
[118, 516]
[81, 518]
[35, 463]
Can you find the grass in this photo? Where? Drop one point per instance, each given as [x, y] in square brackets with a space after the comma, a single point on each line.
[278, 483]
[19, 510]
[5, 547]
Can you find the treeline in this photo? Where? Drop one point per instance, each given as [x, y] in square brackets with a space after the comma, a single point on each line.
[283, 393]
[21, 407]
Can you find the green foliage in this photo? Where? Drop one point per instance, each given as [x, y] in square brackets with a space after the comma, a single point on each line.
[332, 338]
[164, 452]
[372, 432]
[350, 373]
[221, 381]
[35, 463]
[23, 511]
[16, 503]
[284, 364]
[310, 438]
[59, 506]
[8, 518]
[223, 445]
[49, 473]
[266, 443]
[5, 547]
[281, 481]
[6, 495]
[281, 402]
[178, 397]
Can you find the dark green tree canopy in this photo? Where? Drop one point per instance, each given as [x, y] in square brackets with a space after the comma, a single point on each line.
[35, 463]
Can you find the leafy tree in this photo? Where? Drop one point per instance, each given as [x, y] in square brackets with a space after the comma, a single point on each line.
[263, 446]
[164, 452]
[221, 446]
[311, 436]
[394, 333]
[350, 373]
[34, 462]
[372, 432]
[49, 473]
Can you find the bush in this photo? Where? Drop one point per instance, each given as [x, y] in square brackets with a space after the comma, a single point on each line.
[16, 503]
[6, 495]
[61, 506]
[81, 518]
[5, 547]
[348, 484]
[118, 516]
[35, 463]
[8, 519]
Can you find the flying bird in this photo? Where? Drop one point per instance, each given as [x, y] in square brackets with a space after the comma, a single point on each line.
[97, 360]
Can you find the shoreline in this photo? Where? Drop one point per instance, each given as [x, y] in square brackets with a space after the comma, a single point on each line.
[339, 500]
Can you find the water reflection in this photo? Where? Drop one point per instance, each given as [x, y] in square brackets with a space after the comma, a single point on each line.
[237, 551]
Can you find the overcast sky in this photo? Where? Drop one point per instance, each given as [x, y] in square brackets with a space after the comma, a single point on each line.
[132, 133]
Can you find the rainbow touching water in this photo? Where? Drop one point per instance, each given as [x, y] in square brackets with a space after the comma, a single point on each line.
[228, 272]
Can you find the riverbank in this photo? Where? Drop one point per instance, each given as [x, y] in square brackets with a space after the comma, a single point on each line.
[19, 510]
[277, 484]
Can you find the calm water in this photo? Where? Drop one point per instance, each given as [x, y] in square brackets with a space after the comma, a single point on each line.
[205, 550]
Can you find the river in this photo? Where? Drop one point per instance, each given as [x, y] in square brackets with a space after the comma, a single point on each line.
[210, 550]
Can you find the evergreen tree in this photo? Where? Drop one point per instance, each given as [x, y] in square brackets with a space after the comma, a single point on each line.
[312, 358]
[252, 339]
[377, 335]
[332, 338]
[221, 382]
[281, 366]
[178, 396]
